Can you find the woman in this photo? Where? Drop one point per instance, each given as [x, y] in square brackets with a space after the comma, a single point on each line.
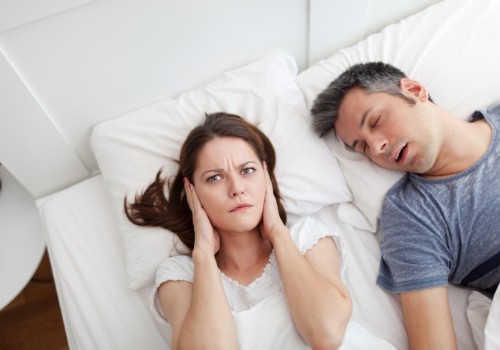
[224, 204]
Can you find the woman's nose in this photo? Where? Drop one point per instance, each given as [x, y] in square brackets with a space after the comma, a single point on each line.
[236, 188]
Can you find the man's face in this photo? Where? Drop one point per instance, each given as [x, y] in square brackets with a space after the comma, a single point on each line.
[388, 130]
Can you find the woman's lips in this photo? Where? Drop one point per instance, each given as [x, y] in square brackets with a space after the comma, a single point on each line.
[240, 207]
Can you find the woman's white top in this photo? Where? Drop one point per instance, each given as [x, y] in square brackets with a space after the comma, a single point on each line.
[261, 314]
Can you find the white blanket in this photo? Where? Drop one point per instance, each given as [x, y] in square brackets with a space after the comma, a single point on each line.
[269, 326]
[492, 329]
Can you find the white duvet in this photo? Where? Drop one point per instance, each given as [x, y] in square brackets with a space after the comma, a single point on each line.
[269, 325]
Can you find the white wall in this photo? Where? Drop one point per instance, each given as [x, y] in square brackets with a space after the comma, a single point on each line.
[70, 64]
[95, 61]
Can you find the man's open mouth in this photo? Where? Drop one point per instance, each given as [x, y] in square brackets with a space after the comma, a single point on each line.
[401, 152]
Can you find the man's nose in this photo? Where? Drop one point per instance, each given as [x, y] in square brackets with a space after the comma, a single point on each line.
[378, 145]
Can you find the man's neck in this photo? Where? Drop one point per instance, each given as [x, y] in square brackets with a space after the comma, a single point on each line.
[464, 145]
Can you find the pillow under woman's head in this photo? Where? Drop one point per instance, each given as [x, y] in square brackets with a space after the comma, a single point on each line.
[131, 148]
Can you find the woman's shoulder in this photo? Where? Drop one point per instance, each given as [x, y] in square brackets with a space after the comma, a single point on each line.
[179, 268]
[307, 231]
[307, 223]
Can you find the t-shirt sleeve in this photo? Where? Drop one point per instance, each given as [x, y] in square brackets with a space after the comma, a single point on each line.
[176, 268]
[414, 254]
[308, 231]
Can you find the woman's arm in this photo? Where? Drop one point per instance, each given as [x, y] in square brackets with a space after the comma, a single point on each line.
[199, 312]
[319, 302]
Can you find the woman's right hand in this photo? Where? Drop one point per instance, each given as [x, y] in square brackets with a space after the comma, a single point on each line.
[271, 225]
[206, 236]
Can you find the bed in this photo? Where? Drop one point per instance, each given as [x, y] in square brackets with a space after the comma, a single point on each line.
[104, 266]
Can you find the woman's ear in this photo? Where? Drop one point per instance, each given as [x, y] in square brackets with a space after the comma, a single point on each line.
[413, 89]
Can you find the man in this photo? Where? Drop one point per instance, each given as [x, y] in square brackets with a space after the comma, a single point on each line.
[440, 223]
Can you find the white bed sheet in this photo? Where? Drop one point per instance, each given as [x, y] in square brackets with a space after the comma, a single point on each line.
[377, 310]
[492, 327]
[100, 311]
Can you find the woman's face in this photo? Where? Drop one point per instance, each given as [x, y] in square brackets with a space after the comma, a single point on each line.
[230, 183]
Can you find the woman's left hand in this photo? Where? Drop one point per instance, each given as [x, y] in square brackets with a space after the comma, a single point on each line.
[271, 221]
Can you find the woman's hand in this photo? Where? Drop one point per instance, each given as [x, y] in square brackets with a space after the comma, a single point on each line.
[206, 237]
[271, 221]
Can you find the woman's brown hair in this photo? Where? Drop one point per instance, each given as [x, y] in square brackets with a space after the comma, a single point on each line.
[152, 208]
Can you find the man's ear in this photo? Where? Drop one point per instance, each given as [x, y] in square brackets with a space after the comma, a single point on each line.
[413, 89]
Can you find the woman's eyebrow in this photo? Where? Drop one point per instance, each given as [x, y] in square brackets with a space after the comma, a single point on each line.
[211, 171]
[242, 165]
[220, 170]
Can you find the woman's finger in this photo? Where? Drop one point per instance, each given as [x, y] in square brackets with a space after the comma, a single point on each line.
[187, 190]
[193, 201]
[269, 184]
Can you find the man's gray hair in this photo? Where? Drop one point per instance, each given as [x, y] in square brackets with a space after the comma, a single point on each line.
[372, 77]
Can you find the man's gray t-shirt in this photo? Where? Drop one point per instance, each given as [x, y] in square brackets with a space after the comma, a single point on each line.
[435, 231]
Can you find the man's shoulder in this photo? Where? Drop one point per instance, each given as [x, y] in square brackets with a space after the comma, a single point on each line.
[403, 187]
[407, 196]
[492, 112]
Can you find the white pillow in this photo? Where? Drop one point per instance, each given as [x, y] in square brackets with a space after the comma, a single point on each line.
[130, 149]
[452, 47]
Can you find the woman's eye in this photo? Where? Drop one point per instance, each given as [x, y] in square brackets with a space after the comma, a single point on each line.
[247, 171]
[376, 122]
[214, 178]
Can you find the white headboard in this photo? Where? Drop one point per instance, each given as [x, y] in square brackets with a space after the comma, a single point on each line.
[66, 65]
